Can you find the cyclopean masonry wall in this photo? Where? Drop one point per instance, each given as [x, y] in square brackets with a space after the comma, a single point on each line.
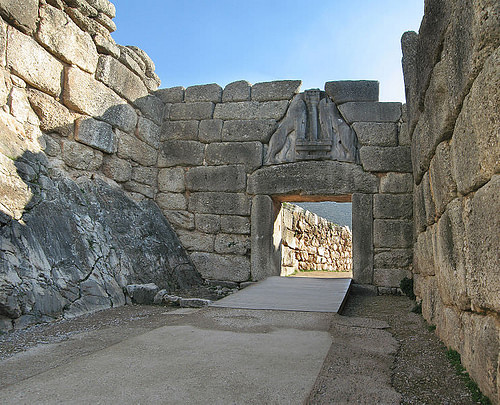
[310, 242]
[79, 138]
[452, 77]
[228, 157]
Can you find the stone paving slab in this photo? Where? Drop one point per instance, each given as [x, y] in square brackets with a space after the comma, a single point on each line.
[291, 294]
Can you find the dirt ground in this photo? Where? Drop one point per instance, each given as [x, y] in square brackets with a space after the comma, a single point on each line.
[421, 372]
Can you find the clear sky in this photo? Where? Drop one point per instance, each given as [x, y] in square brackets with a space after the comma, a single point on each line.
[220, 41]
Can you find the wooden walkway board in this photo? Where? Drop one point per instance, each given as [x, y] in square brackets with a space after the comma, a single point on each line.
[291, 294]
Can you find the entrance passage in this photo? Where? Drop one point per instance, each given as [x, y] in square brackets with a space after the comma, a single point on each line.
[291, 294]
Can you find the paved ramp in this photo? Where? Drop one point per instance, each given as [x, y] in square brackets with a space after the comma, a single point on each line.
[291, 294]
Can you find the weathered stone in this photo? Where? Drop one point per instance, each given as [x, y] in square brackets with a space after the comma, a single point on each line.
[106, 45]
[424, 258]
[210, 131]
[171, 179]
[87, 24]
[145, 175]
[205, 92]
[142, 293]
[393, 259]
[396, 183]
[404, 138]
[475, 147]
[194, 302]
[148, 132]
[19, 104]
[235, 224]
[80, 156]
[386, 159]
[106, 22]
[117, 169]
[132, 61]
[409, 42]
[179, 152]
[219, 203]
[216, 178]
[222, 267]
[171, 201]
[185, 130]
[4, 91]
[428, 200]
[232, 244]
[248, 154]
[196, 241]
[180, 219]
[482, 223]
[338, 178]
[399, 206]
[207, 223]
[63, 38]
[192, 111]
[251, 110]
[148, 62]
[104, 6]
[54, 117]
[52, 146]
[96, 134]
[376, 133]
[23, 15]
[362, 241]
[442, 184]
[140, 190]
[392, 233]
[248, 130]
[419, 218]
[171, 95]
[237, 91]
[88, 96]
[352, 90]
[33, 63]
[389, 277]
[84, 7]
[130, 147]
[116, 75]
[371, 111]
[277, 90]
[152, 107]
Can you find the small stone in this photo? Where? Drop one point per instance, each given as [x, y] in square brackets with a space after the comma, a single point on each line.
[142, 293]
[194, 302]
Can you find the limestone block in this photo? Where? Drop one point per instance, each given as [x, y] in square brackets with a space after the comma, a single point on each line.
[396, 183]
[106, 45]
[171, 201]
[23, 15]
[431, 303]
[117, 169]
[205, 92]
[393, 259]
[88, 96]
[145, 175]
[106, 22]
[393, 233]
[337, 178]
[19, 104]
[80, 156]
[131, 60]
[424, 260]
[482, 223]
[139, 188]
[180, 219]
[232, 244]
[179, 152]
[142, 293]
[248, 154]
[53, 116]
[386, 159]
[394, 206]
[428, 199]
[65, 39]
[97, 134]
[222, 267]
[148, 132]
[171, 95]
[148, 63]
[251, 110]
[235, 224]
[442, 183]
[210, 131]
[248, 130]
[207, 223]
[362, 244]
[33, 63]
[196, 241]
[371, 111]
[171, 179]
[409, 42]
[185, 130]
[389, 277]
[87, 24]
[404, 138]
[276, 90]
[475, 147]
[449, 328]
[216, 178]
[4, 91]
[376, 133]
[117, 76]
[352, 90]
[219, 203]
[130, 147]
[237, 91]
[419, 218]
[152, 107]
[85, 8]
[192, 111]
[52, 146]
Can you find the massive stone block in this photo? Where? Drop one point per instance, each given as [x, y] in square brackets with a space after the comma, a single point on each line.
[393, 258]
[362, 238]
[235, 224]
[171, 201]
[344, 91]
[205, 92]
[393, 206]
[185, 130]
[117, 169]
[152, 107]
[22, 14]
[216, 178]
[389, 277]
[376, 133]
[207, 223]
[171, 179]
[192, 111]
[251, 110]
[180, 219]
[130, 147]
[178, 152]
[396, 183]
[248, 130]
[148, 132]
[393, 233]
[424, 259]
[442, 183]
[95, 133]
[215, 267]
[248, 154]
[386, 159]
[371, 111]
[277, 90]
[210, 131]
[232, 244]
[80, 156]
[219, 203]
[237, 91]
[196, 241]
[171, 95]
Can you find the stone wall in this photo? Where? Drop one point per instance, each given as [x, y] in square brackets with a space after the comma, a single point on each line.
[309, 242]
[79, 142]
[452, 79]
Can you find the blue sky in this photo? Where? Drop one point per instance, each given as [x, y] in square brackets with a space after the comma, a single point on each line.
[220, 41]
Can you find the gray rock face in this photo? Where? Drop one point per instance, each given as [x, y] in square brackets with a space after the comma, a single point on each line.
[95, 133]
[352, 90]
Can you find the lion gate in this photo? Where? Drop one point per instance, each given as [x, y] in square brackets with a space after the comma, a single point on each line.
[229, 157]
